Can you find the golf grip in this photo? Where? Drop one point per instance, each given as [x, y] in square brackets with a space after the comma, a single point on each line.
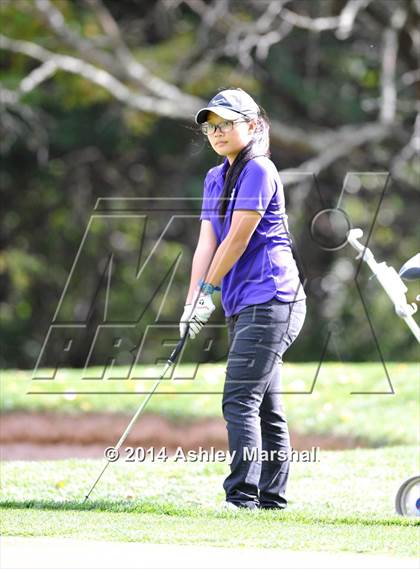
[179, 346]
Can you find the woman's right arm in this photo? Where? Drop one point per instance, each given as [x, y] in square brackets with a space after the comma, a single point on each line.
[204, 252]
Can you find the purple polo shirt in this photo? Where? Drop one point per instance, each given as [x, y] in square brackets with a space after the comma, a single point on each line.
[267, 268]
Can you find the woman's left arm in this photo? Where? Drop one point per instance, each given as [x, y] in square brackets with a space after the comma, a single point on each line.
[243, 225]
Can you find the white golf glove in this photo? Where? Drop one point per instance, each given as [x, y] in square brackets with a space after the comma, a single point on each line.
[184, 319]
[198, 317]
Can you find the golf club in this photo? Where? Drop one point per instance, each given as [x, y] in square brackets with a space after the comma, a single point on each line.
[171, 360]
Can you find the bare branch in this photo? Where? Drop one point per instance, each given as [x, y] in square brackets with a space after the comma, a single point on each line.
[271, 38]
[18, 120]
[260, 35]
[197, 6]
[343, 23]
[329, 145]
[342, 144]
[411, 151]
[348, 17]
[133, 68]
[266, 20]
[388, 88]
[55, 20]
[338, 146]
[100, 77]
[123, 65]
[37, 76]
[314, 24]
[8, 97]
[389, 65]
[240, 40]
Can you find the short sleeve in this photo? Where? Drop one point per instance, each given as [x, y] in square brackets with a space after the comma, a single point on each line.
[256, 189]
[205, 207]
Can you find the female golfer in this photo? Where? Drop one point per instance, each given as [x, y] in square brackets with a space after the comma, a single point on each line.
[244, 250]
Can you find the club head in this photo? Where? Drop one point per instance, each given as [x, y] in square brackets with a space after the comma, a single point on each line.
[410, 271]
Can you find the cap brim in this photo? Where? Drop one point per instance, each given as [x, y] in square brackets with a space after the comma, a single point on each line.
[227, 114]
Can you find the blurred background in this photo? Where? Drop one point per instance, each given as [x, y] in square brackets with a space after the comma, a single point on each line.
[98, 99]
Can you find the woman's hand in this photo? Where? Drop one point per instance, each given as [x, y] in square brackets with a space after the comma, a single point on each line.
[198, 316]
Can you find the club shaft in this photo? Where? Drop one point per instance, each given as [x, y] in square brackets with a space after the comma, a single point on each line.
[170, 362]
[142, 406]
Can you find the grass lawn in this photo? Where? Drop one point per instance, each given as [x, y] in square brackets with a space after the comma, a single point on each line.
[343, 502]
[325, 405]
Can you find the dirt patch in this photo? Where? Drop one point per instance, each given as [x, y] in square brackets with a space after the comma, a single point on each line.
[40, 436]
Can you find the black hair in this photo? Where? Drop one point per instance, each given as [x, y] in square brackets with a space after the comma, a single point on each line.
[259, 145]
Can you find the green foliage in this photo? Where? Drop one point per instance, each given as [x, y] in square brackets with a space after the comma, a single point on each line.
[75, 143]
[162, 57]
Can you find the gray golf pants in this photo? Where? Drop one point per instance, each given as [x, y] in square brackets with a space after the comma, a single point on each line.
[252, 404]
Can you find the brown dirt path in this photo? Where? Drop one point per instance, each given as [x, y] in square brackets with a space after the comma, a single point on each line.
[41, 436]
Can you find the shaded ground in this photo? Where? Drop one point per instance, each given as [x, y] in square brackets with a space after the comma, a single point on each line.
[32, 436]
